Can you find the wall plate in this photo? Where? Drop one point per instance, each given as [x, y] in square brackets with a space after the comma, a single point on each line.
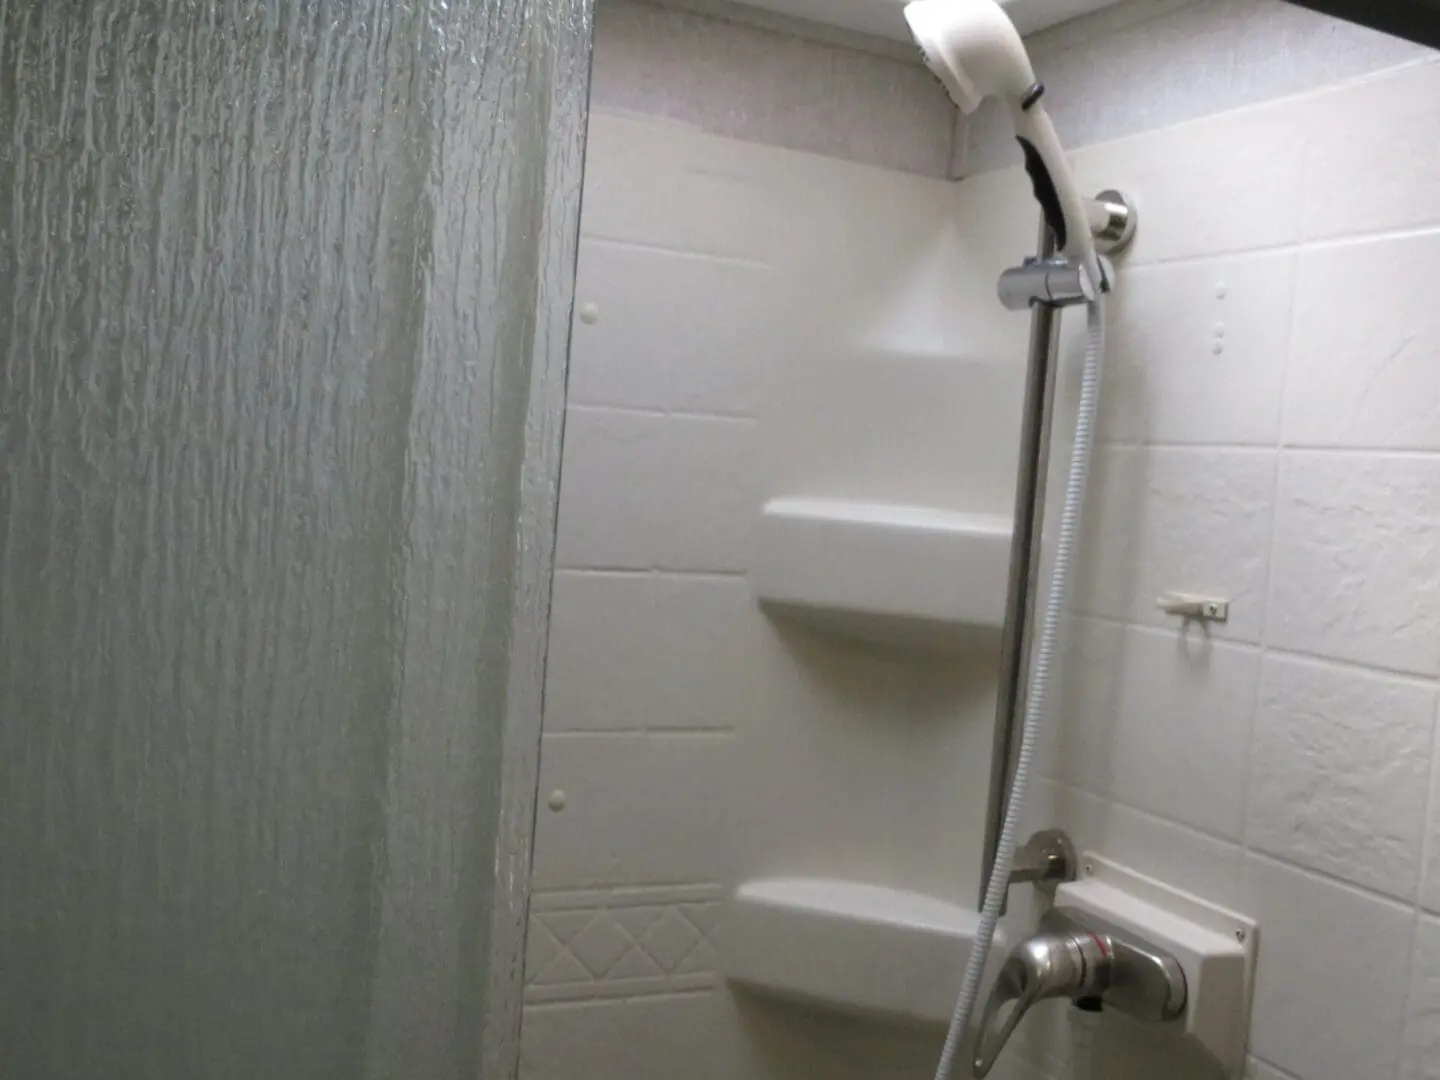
[1215, 946]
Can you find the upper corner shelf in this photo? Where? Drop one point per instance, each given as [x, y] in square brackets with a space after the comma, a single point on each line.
[897, 574]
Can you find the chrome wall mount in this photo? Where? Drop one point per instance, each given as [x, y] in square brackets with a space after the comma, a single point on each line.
[1052, 282]
[1047, 281]
[1112, 221]
[1079, 955]
[1046, 860]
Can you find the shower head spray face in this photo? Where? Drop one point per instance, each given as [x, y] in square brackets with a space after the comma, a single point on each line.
[976, 52]
[974, 49]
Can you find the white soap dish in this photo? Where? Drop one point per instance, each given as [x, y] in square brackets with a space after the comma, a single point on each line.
[884, 572]
[851, 946]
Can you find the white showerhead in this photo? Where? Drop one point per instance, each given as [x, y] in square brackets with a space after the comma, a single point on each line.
[975, 50]
[973, 47]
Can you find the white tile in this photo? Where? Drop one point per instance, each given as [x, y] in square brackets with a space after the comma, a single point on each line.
[641, 491]
[1329, 996]
[1258, 1070]
[1197, 352]
[1167, 519]
[638, 809]
[1123, 1050]
[1341, 773]
[1076, 745]
[708, 498]
[1111, 528]
[652, 1038]
[647, 651]
[1214, 186]
[1421, 1046]
[1186, 859]
[1356, 572]
[670, 331]
[609, 474]
[1367, 176]
[1182, 729]
[1430, 876]
[788, 1041]
[644, 179]
[1362, 368]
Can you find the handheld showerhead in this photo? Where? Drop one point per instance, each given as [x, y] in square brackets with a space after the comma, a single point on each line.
[973, 47]
[975, 50]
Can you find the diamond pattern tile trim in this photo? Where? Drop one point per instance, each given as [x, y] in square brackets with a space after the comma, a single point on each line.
[622, 942]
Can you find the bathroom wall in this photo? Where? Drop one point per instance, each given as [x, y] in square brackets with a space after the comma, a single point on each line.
[842, 95]
[758, 205]
[1270, 436]
[1145, 64]
[692, 741]
[1282, 766]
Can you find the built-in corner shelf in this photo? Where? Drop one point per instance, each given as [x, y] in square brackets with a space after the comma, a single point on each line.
[898, 574]
[849, 946]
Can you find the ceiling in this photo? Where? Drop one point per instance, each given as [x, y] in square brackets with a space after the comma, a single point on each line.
[883, 18]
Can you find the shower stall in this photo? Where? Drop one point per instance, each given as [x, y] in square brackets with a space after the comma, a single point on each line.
[283, 327]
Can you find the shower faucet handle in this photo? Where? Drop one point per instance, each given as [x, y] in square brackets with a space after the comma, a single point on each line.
[1058, 962]
[1079, 956]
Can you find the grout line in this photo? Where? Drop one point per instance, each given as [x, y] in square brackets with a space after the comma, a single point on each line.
[1247, 784]
[1166, 444]
[1289, 246]
[1241, 847]
[1125, 623]
[571, 733]
[1409, 984]
[1273, 541]
[1427, 832]
[659, 995]
[683, 253]
[1408, 453]
[1417, 453]
[1150, 815]
[628, 886]
[1287, 1075]
[1358, 667]
[1323, 875]
[659, 414]
[627, 572]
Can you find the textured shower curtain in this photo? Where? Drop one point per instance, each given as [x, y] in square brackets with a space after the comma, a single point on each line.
[283, 289]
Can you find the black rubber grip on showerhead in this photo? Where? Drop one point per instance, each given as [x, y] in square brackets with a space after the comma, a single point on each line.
[1045, 193]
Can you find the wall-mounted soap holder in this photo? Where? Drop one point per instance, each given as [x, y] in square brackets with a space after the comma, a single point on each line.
[899, 575]
[1193, 606]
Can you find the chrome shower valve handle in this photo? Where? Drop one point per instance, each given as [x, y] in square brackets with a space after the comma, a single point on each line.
[1080, 957]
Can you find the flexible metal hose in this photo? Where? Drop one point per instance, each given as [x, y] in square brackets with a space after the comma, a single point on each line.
[1035, 704]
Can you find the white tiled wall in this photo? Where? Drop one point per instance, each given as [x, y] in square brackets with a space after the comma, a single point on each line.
[1271, 409]
[690, 741]
[1269, 435]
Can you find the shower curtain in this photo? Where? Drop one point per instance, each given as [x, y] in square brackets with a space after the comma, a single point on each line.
[284, 289]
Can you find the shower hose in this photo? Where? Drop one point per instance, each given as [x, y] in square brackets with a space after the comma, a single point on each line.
[1035, 702]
